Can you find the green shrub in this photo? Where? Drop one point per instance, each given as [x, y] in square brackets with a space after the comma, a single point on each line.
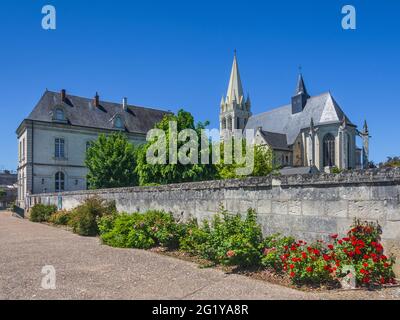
[125, 231]
[83, 219]
[142, 231]
[41, 212]
[234, 241]
[193, 238]
[60, 217]
[275, 246]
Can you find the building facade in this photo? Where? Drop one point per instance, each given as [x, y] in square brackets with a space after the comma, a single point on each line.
[54, 138]
[8, 188]
[310, 131]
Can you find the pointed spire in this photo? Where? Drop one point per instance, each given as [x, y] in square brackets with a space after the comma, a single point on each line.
[301, 87]
[235, 89]
[222, 101]
[365, 127]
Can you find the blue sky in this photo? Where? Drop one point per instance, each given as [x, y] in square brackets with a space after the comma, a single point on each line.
[178, 54]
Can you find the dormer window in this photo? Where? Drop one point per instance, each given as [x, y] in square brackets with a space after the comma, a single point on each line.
[59, 115]
[118, 123]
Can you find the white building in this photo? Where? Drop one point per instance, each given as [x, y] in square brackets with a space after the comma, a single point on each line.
[54, 138]
[310, 131]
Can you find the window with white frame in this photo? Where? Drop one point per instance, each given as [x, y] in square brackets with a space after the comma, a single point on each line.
[60, 181]
[59, 148]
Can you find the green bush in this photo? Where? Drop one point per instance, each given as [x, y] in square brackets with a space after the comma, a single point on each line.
[60, 217]
[142, 231]
[193, 238]
[41, 212]
[275, 246]
[83, 219]
[233, 241]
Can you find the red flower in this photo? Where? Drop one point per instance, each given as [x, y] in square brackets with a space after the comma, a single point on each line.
[340, 241]
[358, 251]
[363, 271]
[373, 243]
[366, 257]
[286, 247]
[326, 268]
[383, 258]
[304, 255]
[365, 280]
[351, 253]
[382, 280]
[346, 239]
[316, 252]
[230, 253]
[292, 274]
[334, 236]
[291, 266]
[365, 265]
[330, 247]
[337, 263]
[309, 269]
[386, 265]
[326, 257]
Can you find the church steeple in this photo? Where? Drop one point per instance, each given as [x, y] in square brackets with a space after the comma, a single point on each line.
[235, 109]
[235, 88]
[299, 100]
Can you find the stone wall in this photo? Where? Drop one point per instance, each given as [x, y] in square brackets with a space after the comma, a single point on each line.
[305, 206]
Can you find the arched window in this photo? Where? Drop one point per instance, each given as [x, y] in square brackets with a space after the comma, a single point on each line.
[60, 181]
[348, 151]
[59, 114]
[229, 123]
[223, 123]
[118, 123]
[329, 150]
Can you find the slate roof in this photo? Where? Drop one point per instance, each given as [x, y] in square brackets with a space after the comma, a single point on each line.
[323, 109]
[81, 111]
[275, 140]
[298, 170]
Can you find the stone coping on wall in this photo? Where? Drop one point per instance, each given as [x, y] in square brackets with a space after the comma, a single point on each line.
[386, 176]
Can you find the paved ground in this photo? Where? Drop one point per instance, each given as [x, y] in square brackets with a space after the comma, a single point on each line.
[85, 269]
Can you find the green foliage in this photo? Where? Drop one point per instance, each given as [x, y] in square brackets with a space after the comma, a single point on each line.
[232, 240]
[194, 238]
[41, 212]
[275, 246]
[173, 173]
[391, 162]
[83, 219]
[336, 170]
[60, 218]
[111, 162]
[3, 193]
[263, 162]
[142, 231]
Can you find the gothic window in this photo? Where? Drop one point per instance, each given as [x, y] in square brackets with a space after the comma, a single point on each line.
[223, 122]
[348, 151]
[60, 181]
[59, 148]
[229, 124]
[237, 123]
[329, 150]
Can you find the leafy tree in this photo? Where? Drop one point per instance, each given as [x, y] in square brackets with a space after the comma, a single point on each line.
[111, 161]
[391, 162]
[3, 193]
[150, 173]
[263, 163]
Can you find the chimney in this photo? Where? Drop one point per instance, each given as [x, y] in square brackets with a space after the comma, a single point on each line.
[96, 100]
[63, 95]
[125, 104]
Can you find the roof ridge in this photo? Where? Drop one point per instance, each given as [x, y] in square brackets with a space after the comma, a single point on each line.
[105, 101]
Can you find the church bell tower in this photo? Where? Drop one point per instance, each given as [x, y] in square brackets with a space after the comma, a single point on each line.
[235, 109]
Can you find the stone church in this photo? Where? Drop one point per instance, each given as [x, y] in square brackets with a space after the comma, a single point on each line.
[309, 132]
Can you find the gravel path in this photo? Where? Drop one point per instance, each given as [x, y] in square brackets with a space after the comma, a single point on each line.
[85, 269]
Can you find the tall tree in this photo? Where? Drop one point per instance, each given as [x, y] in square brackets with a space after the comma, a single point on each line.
[171, 172]
[111, 161]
